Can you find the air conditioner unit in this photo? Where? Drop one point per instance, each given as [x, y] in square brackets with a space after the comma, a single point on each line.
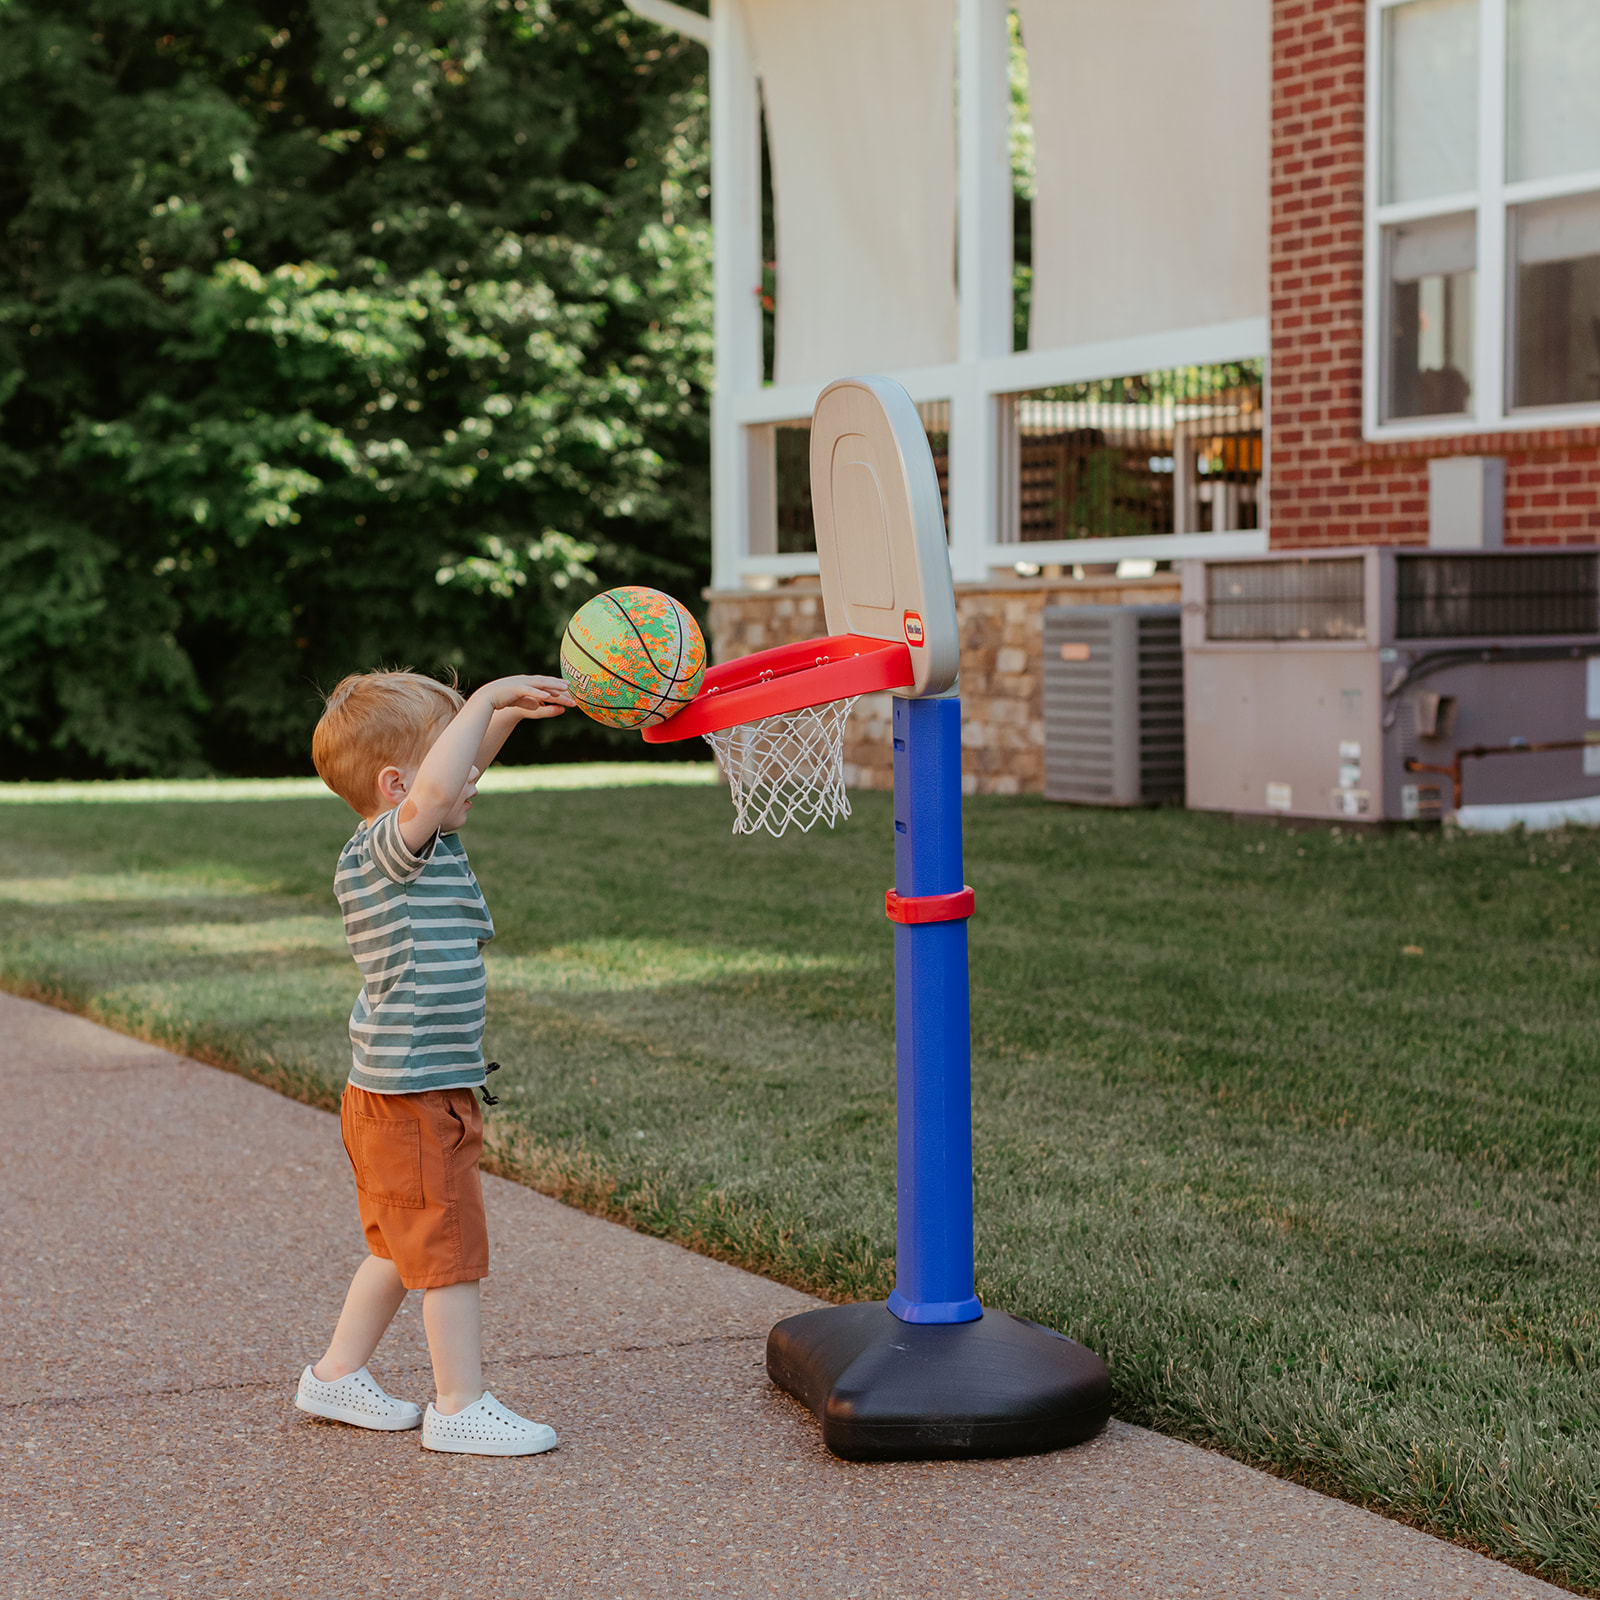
[1385, 685]
[1113, 705]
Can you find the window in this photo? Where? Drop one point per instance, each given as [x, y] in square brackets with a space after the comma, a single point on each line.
[1177, 451]
[1432, 279]
[1552, 56]
[1556, 327]
[1484, 213]
[1430, 100]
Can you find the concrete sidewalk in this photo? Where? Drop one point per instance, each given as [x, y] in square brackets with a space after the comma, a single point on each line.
[176, 1243]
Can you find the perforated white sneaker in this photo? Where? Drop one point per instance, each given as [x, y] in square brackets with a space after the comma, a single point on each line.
[357, 1398]
[486, 1428]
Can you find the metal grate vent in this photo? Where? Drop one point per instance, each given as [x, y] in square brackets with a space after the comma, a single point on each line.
[1287, 599]
[1079, 720]
[1160, 708]
[1113, 705]
[1470, 597]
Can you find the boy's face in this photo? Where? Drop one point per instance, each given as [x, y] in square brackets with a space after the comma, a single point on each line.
[458, 812]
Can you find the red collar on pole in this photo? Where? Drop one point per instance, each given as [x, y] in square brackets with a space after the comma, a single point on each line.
[910, 908]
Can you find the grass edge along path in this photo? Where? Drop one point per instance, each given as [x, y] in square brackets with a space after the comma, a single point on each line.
[1300, 913]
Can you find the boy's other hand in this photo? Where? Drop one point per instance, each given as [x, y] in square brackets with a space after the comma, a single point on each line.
[531, 695]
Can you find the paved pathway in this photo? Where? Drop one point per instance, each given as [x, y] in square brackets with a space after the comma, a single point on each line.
[174, 1243]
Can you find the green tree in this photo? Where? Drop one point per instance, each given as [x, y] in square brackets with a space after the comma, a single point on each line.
[332, 333]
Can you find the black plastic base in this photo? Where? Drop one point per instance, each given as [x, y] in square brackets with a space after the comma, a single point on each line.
[886, 1390]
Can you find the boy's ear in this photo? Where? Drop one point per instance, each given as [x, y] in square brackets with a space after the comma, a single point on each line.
[391, 787]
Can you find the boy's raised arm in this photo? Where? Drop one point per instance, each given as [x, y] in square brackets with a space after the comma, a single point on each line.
[452, 761]
[502, 722]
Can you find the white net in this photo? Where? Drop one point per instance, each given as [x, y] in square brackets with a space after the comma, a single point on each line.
[786, 769]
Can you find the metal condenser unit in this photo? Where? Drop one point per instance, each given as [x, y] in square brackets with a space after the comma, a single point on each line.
[1386, 685]
[1113, 705]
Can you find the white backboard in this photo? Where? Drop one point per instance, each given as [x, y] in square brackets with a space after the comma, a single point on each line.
[880, 527]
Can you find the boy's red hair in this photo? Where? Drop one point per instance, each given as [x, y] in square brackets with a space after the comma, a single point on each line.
[374, 720]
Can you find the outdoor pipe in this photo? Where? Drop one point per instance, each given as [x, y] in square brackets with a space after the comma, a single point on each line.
[1478, 751]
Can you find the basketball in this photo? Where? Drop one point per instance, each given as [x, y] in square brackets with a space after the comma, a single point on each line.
[632, 658]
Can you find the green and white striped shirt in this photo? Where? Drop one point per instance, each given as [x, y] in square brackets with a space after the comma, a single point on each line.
[416, 925]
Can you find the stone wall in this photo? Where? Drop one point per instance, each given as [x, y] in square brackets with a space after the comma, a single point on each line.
[1002, 726]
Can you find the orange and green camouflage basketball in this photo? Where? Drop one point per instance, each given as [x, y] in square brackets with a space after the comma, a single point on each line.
[633, 657]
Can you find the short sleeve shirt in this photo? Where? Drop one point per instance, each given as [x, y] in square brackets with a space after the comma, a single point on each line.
[416, 925]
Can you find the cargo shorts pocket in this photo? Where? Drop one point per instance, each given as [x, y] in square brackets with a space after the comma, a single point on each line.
[388, 1159]
[460, 1130]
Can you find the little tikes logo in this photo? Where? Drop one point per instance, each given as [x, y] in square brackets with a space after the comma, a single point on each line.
[914, 634]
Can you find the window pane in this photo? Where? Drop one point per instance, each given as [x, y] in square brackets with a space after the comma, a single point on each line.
[1552, 104]
[1430, 101]
[1556, 350]
[1430, 269]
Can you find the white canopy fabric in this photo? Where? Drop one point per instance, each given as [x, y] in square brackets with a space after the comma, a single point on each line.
[1150, 126]
[860, 109]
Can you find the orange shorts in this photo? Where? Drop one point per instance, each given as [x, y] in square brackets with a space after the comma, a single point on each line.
[416, 1163]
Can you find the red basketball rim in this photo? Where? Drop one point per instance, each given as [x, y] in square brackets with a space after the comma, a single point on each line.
[789, 678]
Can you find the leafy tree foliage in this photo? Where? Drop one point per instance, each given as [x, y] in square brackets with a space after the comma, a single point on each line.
[332, 333]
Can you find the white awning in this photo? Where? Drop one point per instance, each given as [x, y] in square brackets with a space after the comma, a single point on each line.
[860, 108]
[1151, 146]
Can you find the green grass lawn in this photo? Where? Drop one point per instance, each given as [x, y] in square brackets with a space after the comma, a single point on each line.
[1299, 1131]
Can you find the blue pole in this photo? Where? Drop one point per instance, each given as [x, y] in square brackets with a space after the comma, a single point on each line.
[933, 1055]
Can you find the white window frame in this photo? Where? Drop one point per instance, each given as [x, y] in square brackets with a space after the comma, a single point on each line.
[1493, 201]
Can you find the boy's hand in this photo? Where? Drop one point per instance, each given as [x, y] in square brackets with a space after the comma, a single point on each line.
[530, 695]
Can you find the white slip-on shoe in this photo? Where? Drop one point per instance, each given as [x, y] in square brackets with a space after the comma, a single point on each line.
[486, 1428]
[358, 1399]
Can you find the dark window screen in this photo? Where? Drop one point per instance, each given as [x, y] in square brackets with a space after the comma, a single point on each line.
[1286, 600]
[1470, 597]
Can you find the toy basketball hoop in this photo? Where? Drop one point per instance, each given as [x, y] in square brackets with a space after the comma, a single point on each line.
[927, 1372]
[776, 720]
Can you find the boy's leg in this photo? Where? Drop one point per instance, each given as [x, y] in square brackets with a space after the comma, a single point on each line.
[455, 1342]
[369, 1307]
[464, 1418]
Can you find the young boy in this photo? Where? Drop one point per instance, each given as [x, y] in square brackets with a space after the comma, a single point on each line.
[405, 752]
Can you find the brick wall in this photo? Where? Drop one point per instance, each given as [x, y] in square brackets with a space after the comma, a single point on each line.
[1002, 631]
[1327, 485]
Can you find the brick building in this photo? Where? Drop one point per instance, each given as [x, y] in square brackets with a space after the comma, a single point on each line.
[1348, 453]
